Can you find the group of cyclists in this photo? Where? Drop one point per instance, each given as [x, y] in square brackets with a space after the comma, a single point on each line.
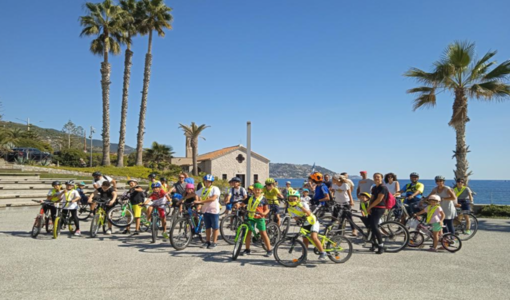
[265, 202]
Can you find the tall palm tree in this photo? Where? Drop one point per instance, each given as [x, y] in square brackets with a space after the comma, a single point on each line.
[465, 76]
[104, 20]
[154, 15]
[130, 29]
[192, 133]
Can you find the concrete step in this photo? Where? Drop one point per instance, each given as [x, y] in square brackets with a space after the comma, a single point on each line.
[18, 177]
[30, 193]
[18, 202]
[46, 182]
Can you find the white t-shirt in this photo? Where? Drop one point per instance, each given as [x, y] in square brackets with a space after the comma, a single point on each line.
[238, 195]
[68, 196]
[210, 207]
[392, 188]
[99, 183]
[306, 200]
[342, 193]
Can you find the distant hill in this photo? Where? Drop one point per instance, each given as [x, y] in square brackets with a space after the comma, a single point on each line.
[277, 170]
[49, 134]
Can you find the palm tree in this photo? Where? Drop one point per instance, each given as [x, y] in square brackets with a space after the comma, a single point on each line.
[159, 153]
[105, 20]
[460, 73]
[154, 15]
[130, 29]
[192, 133]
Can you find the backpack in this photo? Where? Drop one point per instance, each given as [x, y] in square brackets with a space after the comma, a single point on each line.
[390, 202]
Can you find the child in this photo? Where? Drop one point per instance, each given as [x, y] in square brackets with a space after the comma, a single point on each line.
[300, 210]
[257, 209]
[272, 194]
[84, 199]
[70, 197]
[305, 199]
[364, 198]
[189, 197]
[157, 200]
[235, 195]
[136, 198]
[435, 217]
[53, 196]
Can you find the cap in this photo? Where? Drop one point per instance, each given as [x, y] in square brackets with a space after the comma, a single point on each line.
[363, 172]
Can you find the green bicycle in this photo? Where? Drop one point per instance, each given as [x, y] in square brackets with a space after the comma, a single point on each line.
[292, 252]
[122, 216]
[272, 229]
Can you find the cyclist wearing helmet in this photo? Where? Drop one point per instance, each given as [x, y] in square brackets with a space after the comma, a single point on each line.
[136, 197]
[158, 200]
[71, 198]
[99, 178]
[189, 197]
[209, 196]
[465, 199]
[235, 195]
[299, 211]
[271, 194]
[448, 201]
[321, 190]
[106, 193]
[164, 184]
[413, 193]
[152, 180]
[53, 197]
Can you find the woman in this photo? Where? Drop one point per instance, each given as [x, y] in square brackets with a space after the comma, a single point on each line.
[343, 197]
[448, 200]
[391, 183]
[376, 210]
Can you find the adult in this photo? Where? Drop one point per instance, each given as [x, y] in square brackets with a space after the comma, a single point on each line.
[180, 186]
[465, 199]
[365, 184]
[448, 200]
[413, 193]
[349, 181]
[391, 183]
[327, 181]
[376, 210]
[342, 194]
[99, 178]
[209, 196]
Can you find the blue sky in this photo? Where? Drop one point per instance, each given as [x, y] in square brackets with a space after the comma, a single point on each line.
[321, 81]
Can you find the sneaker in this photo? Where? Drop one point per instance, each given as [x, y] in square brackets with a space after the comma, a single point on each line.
[165, 235]
[380, 249]
[322, 256]
[205, 245]
[468, 232]
[372, 249]
[77, 233]
[246, 252]
[212, 246]
[432, 249]
[126, 231]
[108, 232]
[136, 233]
[269, 253]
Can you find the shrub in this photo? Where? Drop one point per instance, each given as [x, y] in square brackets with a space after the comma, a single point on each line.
[32, 143]
[70, 157]
[495, 211]
[134, 172]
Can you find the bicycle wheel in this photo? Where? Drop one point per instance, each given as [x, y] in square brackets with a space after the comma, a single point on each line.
[238, 244]
[181, 234]
[71, 226]
[36, 229]
[462, 230]
[284, 227]
[94, 226]
[154, 228]
[56, 227]
[228, 228]
[84, 212]
[48, 223]
[274, 234]
[339, 249]
[451, 242]
[144, 222]
[395, 236]
[120, 217]
[223, 207]
[290, 252]
[416, 239]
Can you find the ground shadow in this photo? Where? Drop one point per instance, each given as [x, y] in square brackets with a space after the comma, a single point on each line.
[503, 226]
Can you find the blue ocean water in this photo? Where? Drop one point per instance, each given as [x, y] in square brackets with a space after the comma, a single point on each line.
[487, 191]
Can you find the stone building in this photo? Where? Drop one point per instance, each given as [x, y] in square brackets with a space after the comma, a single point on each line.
[227, 163]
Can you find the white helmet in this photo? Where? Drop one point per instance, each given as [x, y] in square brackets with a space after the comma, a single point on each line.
[435, 197]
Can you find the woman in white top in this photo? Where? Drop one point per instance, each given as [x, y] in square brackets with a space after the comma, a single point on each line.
[341, 190]
[391, 183]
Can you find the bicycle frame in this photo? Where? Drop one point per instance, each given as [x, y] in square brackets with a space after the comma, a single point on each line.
[308, 235]
[192, 214]
[247, 225]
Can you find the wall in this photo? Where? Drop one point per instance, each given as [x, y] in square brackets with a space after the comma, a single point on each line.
[229, 165]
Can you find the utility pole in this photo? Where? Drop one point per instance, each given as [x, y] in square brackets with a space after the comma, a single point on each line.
[90, 136]
[85, 141]
[248, 160]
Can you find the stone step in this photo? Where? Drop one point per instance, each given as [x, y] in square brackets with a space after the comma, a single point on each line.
[20, 177]
[31, 193]
[18, 202]
[45, 181]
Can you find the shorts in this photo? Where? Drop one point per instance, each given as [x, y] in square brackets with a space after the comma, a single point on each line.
[274, 208]
[260, 224]
[211, 221]
[231, 205]
[159, 202]
[436, 227]
[137, 210]
[312, 228]
[465, 205]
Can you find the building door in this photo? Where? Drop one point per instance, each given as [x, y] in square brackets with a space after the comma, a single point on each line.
[243, 179]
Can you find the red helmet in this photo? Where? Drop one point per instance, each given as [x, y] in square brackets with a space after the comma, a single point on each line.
[317, 177]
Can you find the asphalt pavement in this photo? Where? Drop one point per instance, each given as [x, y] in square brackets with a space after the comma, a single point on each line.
[120, 266]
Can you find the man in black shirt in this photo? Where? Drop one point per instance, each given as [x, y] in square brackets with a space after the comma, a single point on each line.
[327, 181]
[106, 193]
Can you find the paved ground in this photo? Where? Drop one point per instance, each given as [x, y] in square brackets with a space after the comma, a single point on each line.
[120, 267]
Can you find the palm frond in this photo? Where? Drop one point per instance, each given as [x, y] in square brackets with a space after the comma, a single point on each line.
[425, 100]
[490, 90]
[460, 54]
[500, 72]
[480, 67]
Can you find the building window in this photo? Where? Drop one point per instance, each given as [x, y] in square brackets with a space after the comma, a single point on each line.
[224, 176]
[255, 178]
[240, 158]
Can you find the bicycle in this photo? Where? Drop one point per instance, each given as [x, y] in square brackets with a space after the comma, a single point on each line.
[449, 241]
[461, 228]
[84, 211]
[155, 223]
[122, 216]
[292, 252]
[62, 221]
[42, 218]
[272, 230]
[230, 223]
[395, 236]
[99, 218]
[185, 228]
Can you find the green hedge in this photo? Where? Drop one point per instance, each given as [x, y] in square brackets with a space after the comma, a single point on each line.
[31, 143]
[495, 211]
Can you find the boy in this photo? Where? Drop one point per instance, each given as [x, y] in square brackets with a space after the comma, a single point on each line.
[136, 198]
[70, 198]
[257, 209]
[271, 194]
[209, 196]
[235, 195]
[106, 193]
[300, 210]
[158, 200]
[53, 196]
[84, 199]
[305, 198]
[321, 190]
[435, 217]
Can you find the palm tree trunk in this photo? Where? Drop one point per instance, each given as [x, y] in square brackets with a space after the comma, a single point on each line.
[123, 118]
[195, 158]
[143, 105]
[459, 120]
[105, 84]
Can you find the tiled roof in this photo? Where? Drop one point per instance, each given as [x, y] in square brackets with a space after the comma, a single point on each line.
[217, 153]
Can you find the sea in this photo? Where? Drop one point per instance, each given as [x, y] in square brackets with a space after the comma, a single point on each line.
[486, 191]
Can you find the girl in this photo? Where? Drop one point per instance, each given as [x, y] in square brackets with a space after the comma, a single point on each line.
[435, 217]
[448, 200]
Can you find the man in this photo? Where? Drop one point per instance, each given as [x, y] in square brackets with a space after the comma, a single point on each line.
[180, 186]
[365, 184]
[413, 193]
[106, 193]
[465, 199]
[209, 196]
[327, 181]
[98, 181]
[351, 184]
[287, 190]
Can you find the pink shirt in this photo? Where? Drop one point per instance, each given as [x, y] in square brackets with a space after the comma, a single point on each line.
[436, 217]
[210, 207]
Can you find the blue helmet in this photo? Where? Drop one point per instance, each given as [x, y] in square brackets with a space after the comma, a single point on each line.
[156, 185]
[189, 180]
[208, 177]
[177, 196]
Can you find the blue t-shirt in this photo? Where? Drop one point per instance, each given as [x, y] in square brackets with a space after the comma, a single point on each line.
[321, 190]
